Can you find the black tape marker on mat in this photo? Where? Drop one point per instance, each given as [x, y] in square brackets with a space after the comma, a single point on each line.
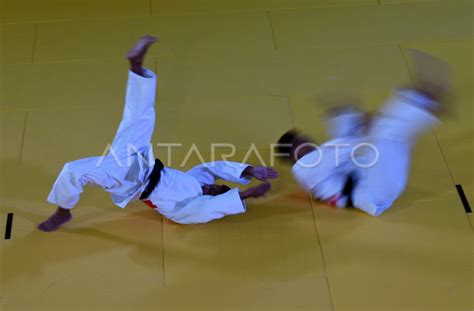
[464, 200]
[8, 230]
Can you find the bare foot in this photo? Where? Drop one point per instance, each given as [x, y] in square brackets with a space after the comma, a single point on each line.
[432, 77]
[59, 218]
[137, 53]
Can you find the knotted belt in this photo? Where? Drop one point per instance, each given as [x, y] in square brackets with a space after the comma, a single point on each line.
[347, 191]
[349, 188]
[153, 180]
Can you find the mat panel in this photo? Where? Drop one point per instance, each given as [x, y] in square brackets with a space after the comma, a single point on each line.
[72, 84]
[246, 31]
[456, 131]
[17, 43]
[88, 255]
[244, 76]
[418, 252]
[352, 26]
[161, 7]
[25, 11]
[67, 263]
[219, 112]
[12, 131]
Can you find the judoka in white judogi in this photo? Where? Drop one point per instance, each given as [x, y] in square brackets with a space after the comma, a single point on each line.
[366, 164]
[378, 161]
[124, 171]
[129, 171]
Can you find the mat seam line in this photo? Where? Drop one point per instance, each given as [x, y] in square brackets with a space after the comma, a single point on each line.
[23, 137]
[321, 250]
[431, 126]
[163, 250]
[438, 143]
[272, 29]
[39, 20]
[34, 43]
[291, 112]
[163, 265]
[440, 149]
[443, 155]
[117, 59]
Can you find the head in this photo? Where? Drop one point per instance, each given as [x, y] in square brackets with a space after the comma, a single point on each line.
[293, 146]
[214, 189]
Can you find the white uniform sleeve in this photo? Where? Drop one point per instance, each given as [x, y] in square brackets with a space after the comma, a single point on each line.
[231, 171]
[206, 208]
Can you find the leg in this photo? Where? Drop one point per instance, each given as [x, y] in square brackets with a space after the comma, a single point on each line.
[432, 78]
[377, 187]
[393, 133]
[59, 218]
[136, 128]
[346, 121]
[70, 184]
[409, 113]
[138, 120]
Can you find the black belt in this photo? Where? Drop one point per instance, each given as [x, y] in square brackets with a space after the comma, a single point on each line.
[348, 188]
[153, 180]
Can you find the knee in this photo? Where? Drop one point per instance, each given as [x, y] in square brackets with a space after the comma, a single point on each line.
[69, 172]
[73, 166]
[68, 167]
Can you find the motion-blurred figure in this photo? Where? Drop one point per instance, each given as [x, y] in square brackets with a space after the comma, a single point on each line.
[366, 164]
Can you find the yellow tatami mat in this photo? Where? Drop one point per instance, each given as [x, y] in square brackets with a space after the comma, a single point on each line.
[22, 38]
[239, 72]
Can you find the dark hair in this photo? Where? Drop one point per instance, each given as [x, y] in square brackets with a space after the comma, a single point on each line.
[285, 143]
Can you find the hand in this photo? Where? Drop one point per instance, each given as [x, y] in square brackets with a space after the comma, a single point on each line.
[263, 173]
[257, 191]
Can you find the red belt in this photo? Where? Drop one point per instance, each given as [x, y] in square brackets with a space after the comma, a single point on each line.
[333, 201]
[148, 202]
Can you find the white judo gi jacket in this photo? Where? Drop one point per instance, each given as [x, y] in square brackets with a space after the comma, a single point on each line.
[124, 171]
[383, 175]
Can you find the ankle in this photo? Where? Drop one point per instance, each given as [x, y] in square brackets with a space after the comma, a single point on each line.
[63, 211]
[136, 66]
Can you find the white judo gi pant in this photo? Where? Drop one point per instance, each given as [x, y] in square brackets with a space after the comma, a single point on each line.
[380, 173]
[393, 133]
[123, 171]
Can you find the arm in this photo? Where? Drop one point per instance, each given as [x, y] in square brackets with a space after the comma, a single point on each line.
[240, 173]
[259, 172]
[255, 192]
[231, 171]
[205, 208]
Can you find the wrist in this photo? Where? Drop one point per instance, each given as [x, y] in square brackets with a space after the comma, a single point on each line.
[248, 171]
[243, 195]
